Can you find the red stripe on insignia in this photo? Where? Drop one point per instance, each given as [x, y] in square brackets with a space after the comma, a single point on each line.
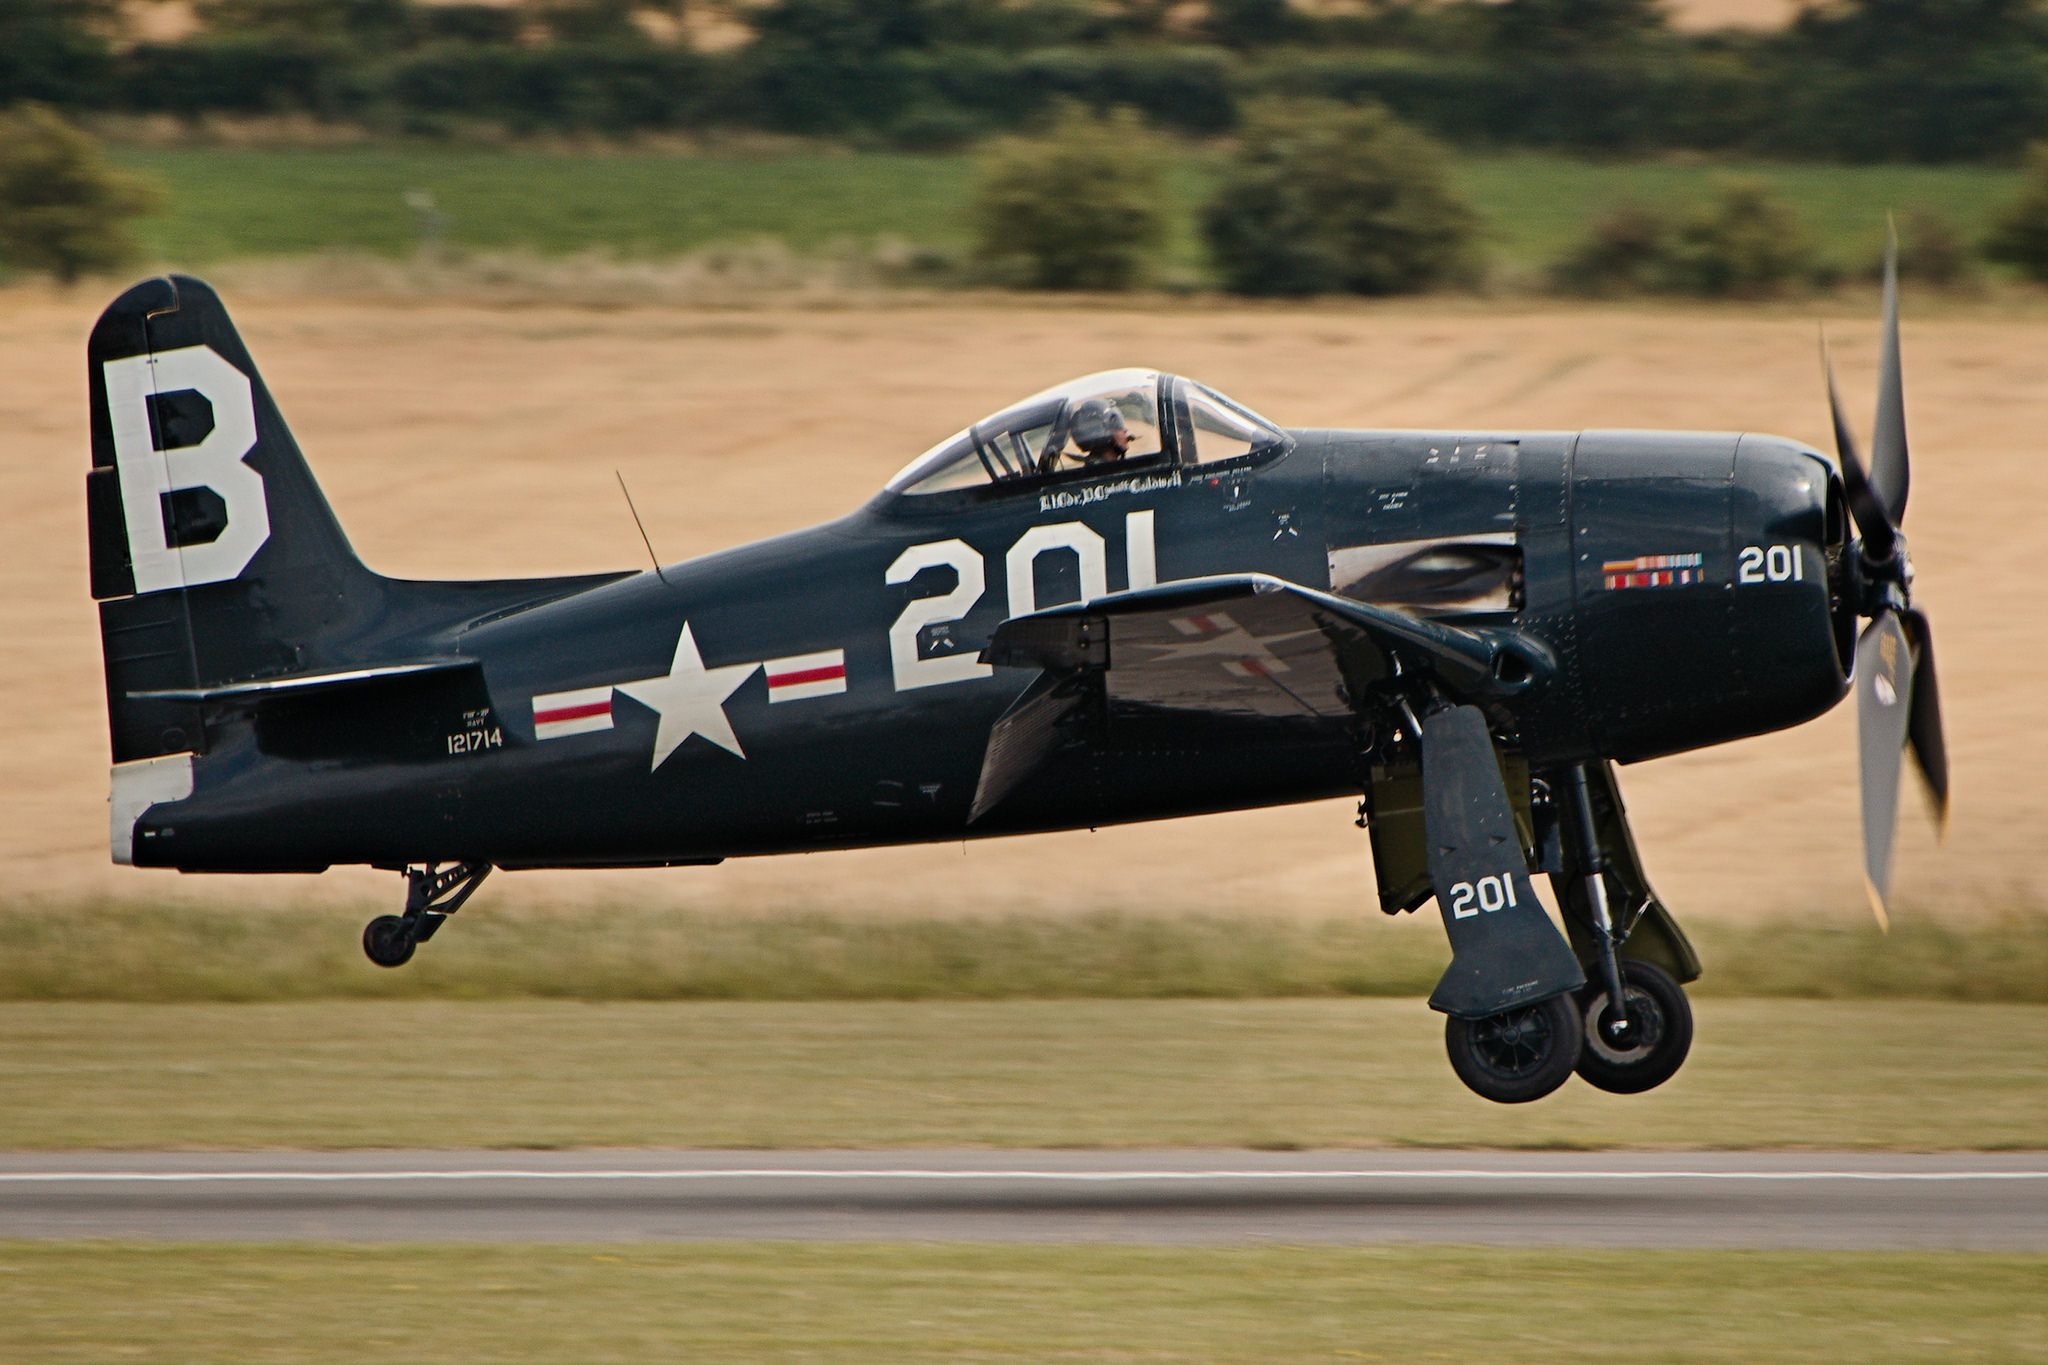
[807, 675]
[1253, 666]
[589, 708]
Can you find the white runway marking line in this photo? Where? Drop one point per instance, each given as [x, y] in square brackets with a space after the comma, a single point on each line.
[1056, 1177]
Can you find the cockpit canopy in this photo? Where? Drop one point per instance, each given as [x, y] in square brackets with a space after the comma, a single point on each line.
[1118, 419]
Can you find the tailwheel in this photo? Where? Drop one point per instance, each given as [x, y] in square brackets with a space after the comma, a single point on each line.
[432, 894]
[1518, 1055]
[1649, 1051]
[388, 941]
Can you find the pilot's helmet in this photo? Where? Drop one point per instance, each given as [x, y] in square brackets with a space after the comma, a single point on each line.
[1096, 423]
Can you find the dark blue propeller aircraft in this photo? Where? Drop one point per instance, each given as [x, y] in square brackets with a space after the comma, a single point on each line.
[1125, 598]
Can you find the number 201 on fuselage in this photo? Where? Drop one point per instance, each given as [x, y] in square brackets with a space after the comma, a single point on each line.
[1019, 564]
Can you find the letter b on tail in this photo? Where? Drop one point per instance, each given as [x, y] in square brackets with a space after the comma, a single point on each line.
[167, 549]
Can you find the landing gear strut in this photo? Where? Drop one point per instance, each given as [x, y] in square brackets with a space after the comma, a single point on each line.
[1637, 1022]
[1613, 1025]
[432, 894]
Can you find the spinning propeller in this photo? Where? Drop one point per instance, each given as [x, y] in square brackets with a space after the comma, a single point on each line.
[1898, 702]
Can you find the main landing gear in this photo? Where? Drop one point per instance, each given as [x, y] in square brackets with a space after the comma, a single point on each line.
[432, 894]
[1526, 1005]
[1627, 1026]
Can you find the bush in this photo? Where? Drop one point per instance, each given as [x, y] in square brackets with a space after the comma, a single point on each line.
[1911, 107]
[1595, 102]
[467, 21]
[603, 87]
[1322, 199]
[933, 126]
[254, 74]
[1076, 208]
[1931, 252]
[55, 51]
[355, 23]
[2020, 237]
[1186, 88]
[63, 209]
[1626, 250]
[1744, 243]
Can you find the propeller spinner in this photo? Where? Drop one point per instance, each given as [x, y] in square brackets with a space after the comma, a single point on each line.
[1898, 701]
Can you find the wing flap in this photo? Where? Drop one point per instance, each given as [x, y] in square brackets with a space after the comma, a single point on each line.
[1040, 722]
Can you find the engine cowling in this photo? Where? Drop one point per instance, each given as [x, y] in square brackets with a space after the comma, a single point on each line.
[1709, 587]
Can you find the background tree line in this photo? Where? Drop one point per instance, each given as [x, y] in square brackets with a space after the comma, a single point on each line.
[1924, 80]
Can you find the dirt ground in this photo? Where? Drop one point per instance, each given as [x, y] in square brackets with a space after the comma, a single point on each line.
[466, 441]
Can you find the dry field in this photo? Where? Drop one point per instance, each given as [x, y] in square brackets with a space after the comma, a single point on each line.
[1702, 15]
[1692, 15]
[462, 440]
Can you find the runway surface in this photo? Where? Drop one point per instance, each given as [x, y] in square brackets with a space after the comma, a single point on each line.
[1813, 1200]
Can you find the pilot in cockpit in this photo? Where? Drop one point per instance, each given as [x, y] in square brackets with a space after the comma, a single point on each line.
[1100, 434]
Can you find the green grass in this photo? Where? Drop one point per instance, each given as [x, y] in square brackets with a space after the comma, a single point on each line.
[1286, 1074]
[902, 1303]
[1537, 206]
[229, 203]
[137, 952]
[233, 202]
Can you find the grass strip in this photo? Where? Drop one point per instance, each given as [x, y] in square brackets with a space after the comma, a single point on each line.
[903, 1303]
[135, 951]
[228, 203]
[1250, 1074]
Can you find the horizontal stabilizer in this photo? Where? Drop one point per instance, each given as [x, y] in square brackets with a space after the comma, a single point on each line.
[304, 684]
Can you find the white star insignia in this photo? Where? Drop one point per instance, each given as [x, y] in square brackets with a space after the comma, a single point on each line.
[690, 700]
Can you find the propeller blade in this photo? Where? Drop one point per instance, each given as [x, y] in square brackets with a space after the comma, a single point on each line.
[1864, 504]
[1884, 684]
[1889, 472]
[1923, 730]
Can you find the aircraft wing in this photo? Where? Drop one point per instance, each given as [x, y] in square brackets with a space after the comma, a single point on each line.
[1232, 646]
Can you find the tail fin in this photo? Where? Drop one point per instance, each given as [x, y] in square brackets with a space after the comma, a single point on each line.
[214, 555]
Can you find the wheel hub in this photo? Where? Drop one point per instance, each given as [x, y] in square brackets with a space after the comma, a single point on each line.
[1514, 1043]
[1621, 1037]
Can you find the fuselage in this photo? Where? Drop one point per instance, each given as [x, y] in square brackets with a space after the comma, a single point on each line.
[822, 689]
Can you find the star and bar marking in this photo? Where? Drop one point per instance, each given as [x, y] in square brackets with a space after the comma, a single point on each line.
[690, 698]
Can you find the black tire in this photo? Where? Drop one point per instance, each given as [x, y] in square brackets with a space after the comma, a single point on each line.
[1662, 1017]
[388, 941]
[1517, 1056]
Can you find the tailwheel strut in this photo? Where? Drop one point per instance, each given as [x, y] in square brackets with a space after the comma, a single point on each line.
[432, 893]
